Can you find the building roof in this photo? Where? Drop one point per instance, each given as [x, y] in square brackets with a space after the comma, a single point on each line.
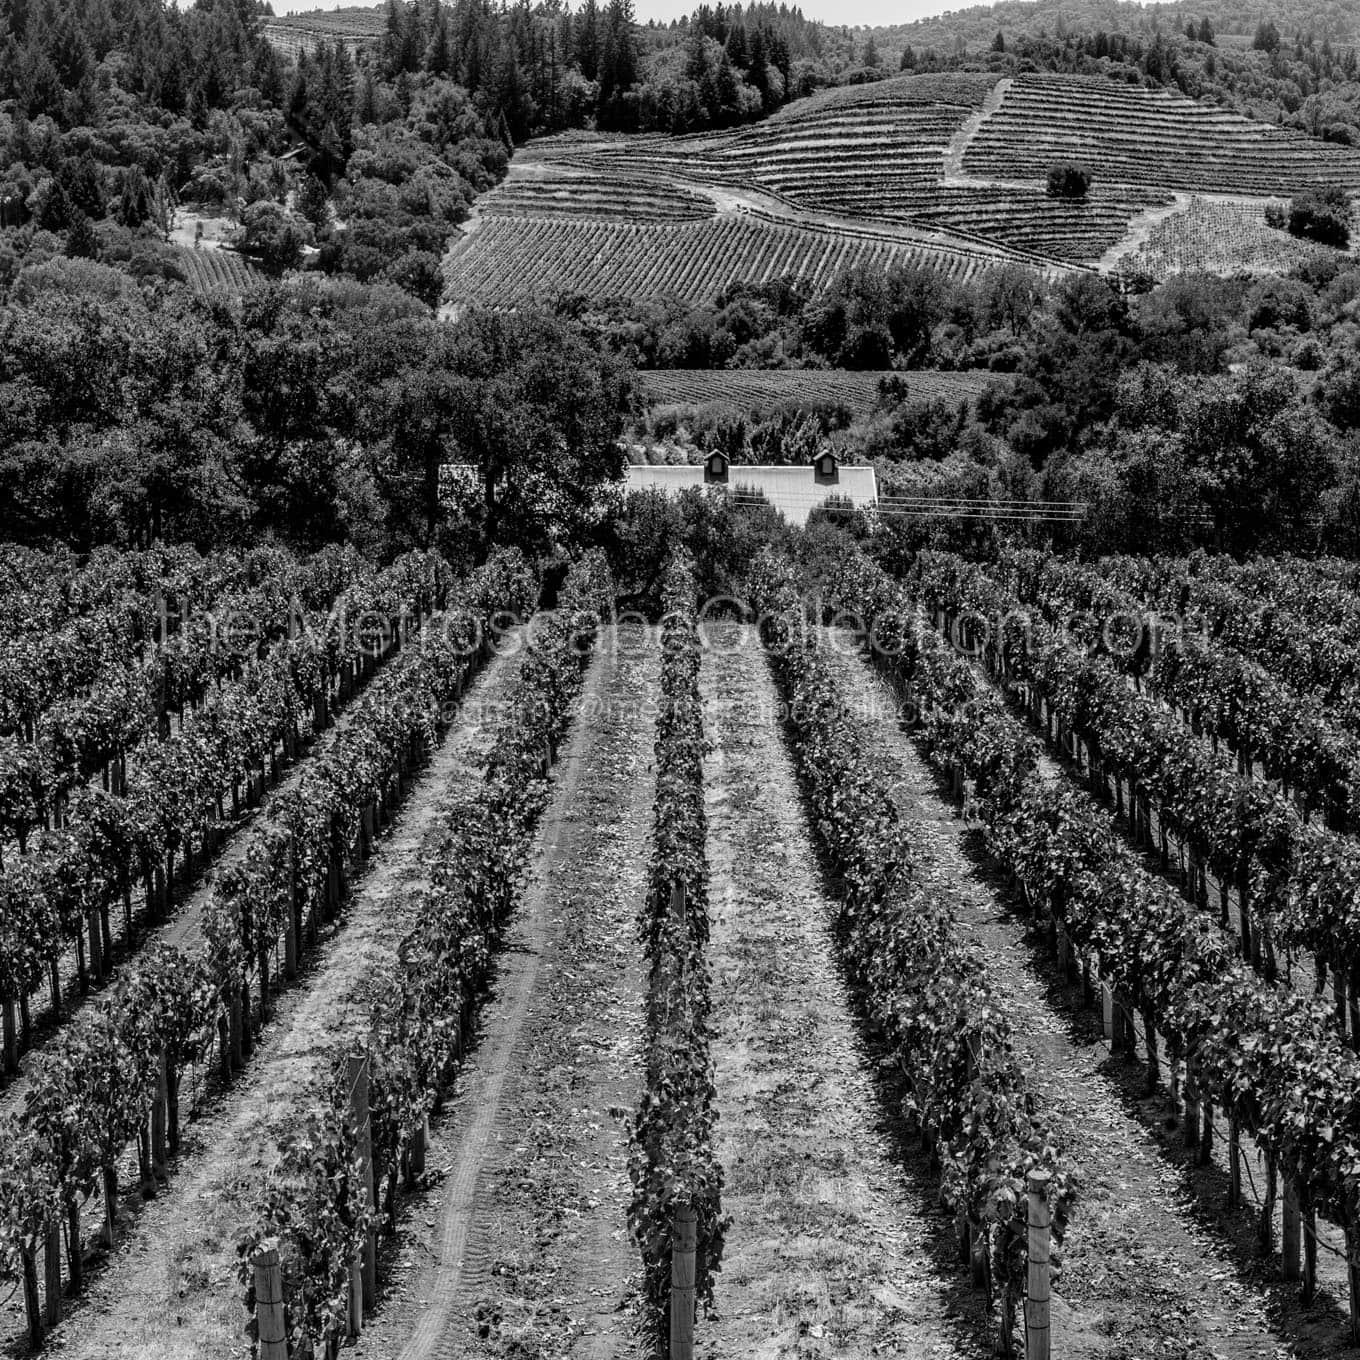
[793, 491]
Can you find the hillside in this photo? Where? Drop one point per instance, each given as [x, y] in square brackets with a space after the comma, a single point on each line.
[946, 169]
[977, 25]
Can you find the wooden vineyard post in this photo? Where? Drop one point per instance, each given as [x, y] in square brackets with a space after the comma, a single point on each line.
[1191, 1108]
[1309, 1218]
[1234, 1164]
[1107, 1010]
[1353, 1278]
[684, 1242]
[52, 1271]
[32, 1300]
[271, 1330]
[418, 1145]
[159, 1106]
[11, 1037]
[291, 920]
[358, 1096]
[1037, 1338]
[1292, 1226]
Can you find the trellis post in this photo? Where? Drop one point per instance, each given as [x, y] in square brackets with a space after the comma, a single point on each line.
[684, 1243]
[1037, 1335]
[270, 1327]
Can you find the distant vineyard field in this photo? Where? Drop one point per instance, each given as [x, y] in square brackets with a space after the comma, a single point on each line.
[1126, 134]
[864, 149]
[508, 260]
[217, 271]
[749, 390]
[1218, 238]
[1027, 219]
[295, 33]
[587, 194]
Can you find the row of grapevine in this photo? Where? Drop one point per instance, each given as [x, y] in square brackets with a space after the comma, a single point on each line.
[40, 591]
[1316, 655]
[1323, 591]
[1298, 885]
[1128, 134]
[122, 691]
[63, 633]
[110, 1082]
[174, 803]
[924, 985]
[1221, 693]
[335, 1183]
[673, 1163]
[1267, 1057]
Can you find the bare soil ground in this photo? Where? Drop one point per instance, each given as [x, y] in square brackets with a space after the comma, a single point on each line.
[833, 1246]
[1150, 1266]
[520, 1246]
[169, 1289]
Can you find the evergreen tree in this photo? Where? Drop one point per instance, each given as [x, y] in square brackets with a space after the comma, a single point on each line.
[588, 40]
[81, 240]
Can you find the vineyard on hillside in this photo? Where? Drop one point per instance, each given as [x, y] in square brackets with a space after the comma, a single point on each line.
[510, 260]
[1218, 238]
[1126, 134]
[754, 390]
[959, 161]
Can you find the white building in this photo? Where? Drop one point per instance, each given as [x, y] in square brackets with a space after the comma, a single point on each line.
[794, 491]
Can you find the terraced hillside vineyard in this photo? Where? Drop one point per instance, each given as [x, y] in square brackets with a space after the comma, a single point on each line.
[947, 170]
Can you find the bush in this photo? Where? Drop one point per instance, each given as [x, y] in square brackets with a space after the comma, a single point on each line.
[1068, 181]
[1322, 215]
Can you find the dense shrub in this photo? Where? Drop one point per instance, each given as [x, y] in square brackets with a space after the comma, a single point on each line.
[1322, 215]
[1069, 180]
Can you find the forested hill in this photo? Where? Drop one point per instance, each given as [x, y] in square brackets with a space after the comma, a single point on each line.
[974, 27]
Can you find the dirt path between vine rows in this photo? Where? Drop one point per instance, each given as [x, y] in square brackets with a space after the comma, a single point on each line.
[1142, 1274]
[522, 1249]
[170, 1289]
[832, 1248]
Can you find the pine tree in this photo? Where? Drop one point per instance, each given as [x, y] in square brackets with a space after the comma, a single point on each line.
[696, 55]
[439, 54]
[134, 204]
[736, 44]
[870, 51]
[81, 241]
[588, 40]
